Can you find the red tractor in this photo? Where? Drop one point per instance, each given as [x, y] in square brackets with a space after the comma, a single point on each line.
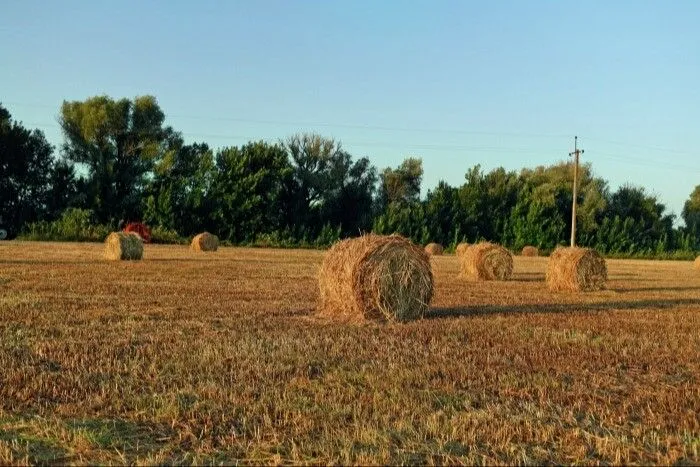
[141, 229]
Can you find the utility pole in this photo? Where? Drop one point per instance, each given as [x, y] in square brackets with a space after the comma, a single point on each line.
[576, 153]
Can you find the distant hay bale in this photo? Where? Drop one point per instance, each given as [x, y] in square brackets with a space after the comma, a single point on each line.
[123, 246]
[530, 251]
[461, 248]
[434, 249]
[385, 278]
[697, 263]
[486, 262]
[576, 269]
[205, 242]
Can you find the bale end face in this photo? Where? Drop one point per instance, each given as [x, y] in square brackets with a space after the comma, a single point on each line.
[434, 249]
[486, 262]
[530, 251]
[383, 278]
[205, 242]
[121, 246]
[576, 270]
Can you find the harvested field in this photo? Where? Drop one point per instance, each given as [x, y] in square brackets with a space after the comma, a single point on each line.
[185, 358]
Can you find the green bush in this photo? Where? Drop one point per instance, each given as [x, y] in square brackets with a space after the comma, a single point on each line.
[74, 225]
[163, 235]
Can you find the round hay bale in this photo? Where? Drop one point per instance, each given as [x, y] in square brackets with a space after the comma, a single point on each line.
[123, 246]
[697, 263]
[385, 278]
[486, 261]
[434, 249]
[530, 251]
[576, 270]
[461, 248]
[205, 242]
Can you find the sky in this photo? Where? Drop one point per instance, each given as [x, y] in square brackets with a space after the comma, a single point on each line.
[457, 83]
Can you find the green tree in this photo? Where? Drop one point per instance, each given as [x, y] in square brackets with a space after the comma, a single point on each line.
[26, 169]
[180, 194]
[643, 218]
[441, 208]
[691, 215]
[118, 142]
[326, 189]
[402, 184]
[347, 201]
[248, 187]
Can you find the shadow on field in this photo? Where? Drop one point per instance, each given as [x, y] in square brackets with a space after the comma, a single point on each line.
[477, 310]
[528, 277]
[45, 262]
[654, 289]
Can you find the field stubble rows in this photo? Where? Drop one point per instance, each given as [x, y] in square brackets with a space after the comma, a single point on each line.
[187, 357]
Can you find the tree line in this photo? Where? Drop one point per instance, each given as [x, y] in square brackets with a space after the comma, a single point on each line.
[119, 161]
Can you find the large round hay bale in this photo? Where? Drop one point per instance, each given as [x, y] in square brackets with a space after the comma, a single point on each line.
[697, 263]
[576, 269]
[434, 249]
[486, 261]
[384, 278]
[123, 246]
[530, 251]
[461, 248]
[205, 242]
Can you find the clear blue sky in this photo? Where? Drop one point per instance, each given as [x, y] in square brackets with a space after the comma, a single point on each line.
[505, 83]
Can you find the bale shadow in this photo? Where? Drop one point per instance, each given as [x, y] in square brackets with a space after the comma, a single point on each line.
[46, 262]
[654, 289]
[480, 310]
[528, 277]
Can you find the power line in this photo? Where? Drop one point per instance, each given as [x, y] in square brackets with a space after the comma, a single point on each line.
[338, 125]
[597, 155]
[385, 128]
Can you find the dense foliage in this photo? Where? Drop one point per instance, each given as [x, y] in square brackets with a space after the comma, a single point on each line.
[119, 162]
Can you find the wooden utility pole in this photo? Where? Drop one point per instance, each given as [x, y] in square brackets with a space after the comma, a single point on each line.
[576, 153]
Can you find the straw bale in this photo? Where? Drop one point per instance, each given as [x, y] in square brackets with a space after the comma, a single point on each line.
[205, 242]
[123, 246]
[461, 248]
[384, 278]
[576, 269]
[486, 261]
[434, 249]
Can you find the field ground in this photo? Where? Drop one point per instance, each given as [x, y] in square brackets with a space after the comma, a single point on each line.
[219, 358]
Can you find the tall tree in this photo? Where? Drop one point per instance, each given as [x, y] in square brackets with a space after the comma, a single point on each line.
[402, 184]
[26, 166]
[180, 194]
[691, 215]
[118, 141]
[347, 201]
[248, 186]
[325, 187]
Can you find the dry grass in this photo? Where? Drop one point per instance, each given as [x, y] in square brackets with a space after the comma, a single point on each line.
[181, 358]
[434, 249]
[380, 277]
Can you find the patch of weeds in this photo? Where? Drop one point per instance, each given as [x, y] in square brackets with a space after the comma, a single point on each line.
[450, 402]
[38, 451]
